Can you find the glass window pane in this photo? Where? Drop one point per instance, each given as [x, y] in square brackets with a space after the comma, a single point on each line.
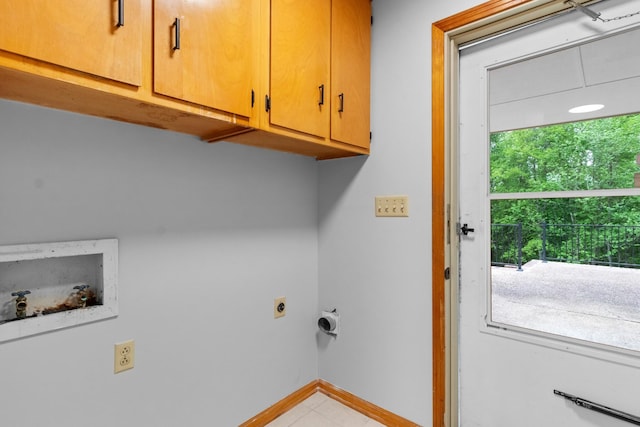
[567, 266]
[588, 155]
[576, 279]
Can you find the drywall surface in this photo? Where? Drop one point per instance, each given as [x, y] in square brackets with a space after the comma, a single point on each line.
[208, 236]
[377, 271]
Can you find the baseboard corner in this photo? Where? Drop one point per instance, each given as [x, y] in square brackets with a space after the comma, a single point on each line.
[354, 402]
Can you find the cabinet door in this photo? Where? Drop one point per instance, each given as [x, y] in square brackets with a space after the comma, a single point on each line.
[80, 34]
[203, 52]
[350, 71]
[300, 31]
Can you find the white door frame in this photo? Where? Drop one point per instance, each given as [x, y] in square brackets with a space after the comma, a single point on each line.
[473, 24]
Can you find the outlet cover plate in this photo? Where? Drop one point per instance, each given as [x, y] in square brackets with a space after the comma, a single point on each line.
[279, 307]
[124, 356]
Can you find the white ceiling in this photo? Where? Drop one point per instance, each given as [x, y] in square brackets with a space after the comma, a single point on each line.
[541, 90]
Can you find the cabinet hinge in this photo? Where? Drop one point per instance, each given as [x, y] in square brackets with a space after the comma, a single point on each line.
[267, 103]
[447, 273]
[371, 19]
[253, 98]
[370, 136]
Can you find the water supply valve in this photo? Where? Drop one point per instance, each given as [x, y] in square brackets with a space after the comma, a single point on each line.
[82, 295]
[21, 303]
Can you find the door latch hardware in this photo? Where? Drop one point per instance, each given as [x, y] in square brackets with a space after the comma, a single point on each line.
[464, 229]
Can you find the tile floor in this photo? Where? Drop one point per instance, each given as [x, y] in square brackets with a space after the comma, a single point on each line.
[319, 410]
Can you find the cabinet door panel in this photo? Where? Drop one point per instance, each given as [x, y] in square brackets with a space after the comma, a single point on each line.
[350, 71]
[213, 65]
[78, 34]
[300, 57]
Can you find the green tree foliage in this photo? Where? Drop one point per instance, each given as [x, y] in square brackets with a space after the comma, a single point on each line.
[587, 155]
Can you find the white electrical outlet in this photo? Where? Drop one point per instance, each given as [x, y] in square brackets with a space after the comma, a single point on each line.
[124, 356]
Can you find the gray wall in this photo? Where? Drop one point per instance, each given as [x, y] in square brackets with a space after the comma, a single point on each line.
[208, 236]
[377, 271]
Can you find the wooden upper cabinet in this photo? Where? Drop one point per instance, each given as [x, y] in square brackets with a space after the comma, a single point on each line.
[320, 68]
[83, 35]
[300, 55]
[350, 71]
[202, 67]
[203, 52]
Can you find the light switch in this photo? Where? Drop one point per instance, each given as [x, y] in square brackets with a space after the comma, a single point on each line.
[392, 206]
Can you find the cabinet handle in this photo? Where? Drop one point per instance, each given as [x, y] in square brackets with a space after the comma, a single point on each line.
[321, 102]
[176, 28]
[120, 13]
[341, 106]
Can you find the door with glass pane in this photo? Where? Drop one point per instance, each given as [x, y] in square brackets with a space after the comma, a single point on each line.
[550, 274]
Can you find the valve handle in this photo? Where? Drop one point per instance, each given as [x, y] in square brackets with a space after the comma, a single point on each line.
[20, 294]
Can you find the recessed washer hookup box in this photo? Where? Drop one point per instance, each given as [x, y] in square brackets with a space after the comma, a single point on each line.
[49, 286]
